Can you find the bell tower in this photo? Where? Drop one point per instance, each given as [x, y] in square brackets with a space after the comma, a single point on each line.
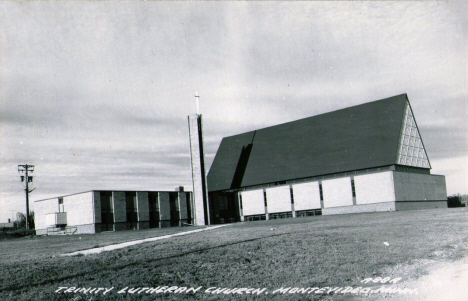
[197, 155]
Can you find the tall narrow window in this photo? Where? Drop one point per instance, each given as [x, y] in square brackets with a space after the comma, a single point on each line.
[240, 200]
[153, 209]
[131, 208]
[353, 188]
[189, 208]
[107, 211]
[174, 207]
[265, 198]
[292, 195]
[321, 192]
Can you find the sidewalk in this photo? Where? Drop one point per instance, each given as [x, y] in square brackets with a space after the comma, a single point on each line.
[136, 242]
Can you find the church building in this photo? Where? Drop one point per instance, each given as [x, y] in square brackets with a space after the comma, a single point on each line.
[366, 158]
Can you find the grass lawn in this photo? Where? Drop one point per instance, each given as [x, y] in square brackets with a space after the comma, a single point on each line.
[40, 247]
[333, 251]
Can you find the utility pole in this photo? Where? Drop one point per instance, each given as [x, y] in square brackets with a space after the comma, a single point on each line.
[26, 169]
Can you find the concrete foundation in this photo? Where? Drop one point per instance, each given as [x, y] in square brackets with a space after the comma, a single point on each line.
[376, 207]
[143, 225]
[414, 205]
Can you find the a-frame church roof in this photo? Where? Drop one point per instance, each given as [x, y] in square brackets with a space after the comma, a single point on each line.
[374, 134]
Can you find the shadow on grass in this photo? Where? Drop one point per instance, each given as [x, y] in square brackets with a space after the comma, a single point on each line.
[116, 268]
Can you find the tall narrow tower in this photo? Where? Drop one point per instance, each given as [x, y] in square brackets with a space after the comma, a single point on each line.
[200, 191]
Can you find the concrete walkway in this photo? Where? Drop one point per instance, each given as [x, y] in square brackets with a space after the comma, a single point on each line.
[137, 242]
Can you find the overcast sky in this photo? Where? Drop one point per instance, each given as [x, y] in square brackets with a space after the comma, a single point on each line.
[96, 95]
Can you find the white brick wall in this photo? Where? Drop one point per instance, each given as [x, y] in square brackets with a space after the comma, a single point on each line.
[164, 206]
[120, 211]
[419, 187]
[79, 209]
[374, 188]
[253, 202]
[306, 196]
[41, 209]
[143, 206]
[183, 205]
[337, 192]
[278, 199]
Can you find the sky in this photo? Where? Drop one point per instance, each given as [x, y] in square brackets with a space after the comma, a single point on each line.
[96, 94]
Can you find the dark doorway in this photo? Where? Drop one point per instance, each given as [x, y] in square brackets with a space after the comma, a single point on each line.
[107, 211]
[153, 200]
[131, 208]
[175, 214]
[224, 207]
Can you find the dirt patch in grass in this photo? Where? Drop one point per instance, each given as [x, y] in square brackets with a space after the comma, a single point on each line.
[326, 251]
[433, 281]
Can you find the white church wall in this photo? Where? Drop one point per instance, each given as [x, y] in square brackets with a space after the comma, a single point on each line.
[337, 192]
[374, 188]
[306, 196]
[278, 199]
[253, 202]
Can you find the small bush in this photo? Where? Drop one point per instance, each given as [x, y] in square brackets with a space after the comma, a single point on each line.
[22, 232]
[457, 200]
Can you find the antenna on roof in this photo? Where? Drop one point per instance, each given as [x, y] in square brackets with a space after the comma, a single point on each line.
[196, 98]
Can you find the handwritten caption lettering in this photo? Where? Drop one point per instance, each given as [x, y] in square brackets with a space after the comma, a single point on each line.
[386, 286]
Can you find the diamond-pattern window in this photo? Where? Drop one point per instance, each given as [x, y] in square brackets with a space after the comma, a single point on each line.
[411, 151]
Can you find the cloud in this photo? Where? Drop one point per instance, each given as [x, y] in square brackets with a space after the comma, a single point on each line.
[97, 94]
[445, 141]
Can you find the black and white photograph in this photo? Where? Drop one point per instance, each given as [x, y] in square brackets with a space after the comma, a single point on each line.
[233, 150]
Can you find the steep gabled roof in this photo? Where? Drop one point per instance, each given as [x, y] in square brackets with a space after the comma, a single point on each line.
[359, 137]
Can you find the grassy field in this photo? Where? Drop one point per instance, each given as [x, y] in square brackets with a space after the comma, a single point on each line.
[322, 251]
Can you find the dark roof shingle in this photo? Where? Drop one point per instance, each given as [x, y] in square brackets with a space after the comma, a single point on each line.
[359, 137]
